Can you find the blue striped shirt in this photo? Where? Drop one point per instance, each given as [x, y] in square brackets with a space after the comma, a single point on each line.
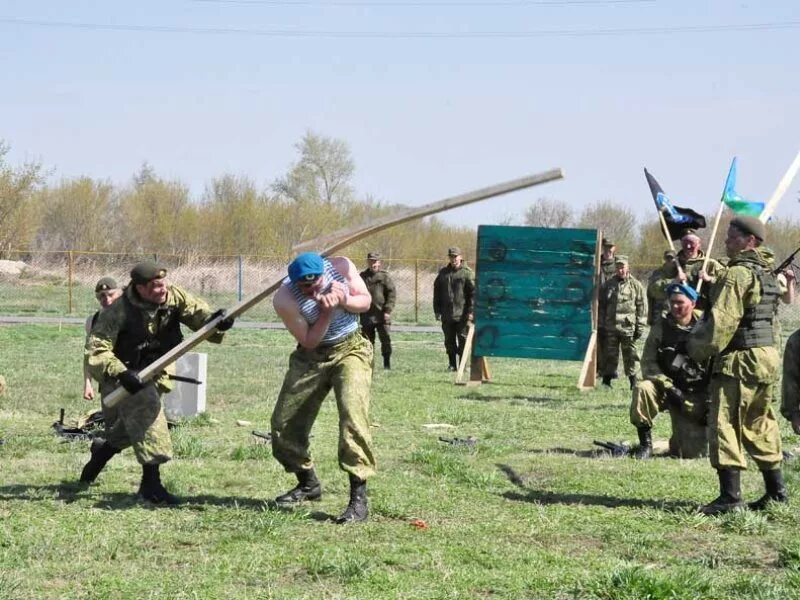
[343, 323]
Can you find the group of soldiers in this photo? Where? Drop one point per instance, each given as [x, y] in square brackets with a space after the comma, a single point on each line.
[333, 312]
[711, 358]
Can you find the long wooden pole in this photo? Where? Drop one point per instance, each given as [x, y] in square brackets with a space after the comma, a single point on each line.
[330, 244]
[665, 229]
[783, 185]
[711, 241]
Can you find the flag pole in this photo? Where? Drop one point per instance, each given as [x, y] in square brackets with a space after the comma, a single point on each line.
[783, 185]
[665, 229]
[711, 241]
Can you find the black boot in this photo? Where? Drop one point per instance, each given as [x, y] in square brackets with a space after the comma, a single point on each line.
[451, 358]
[607, 380]
[101, 452]
[151, 488]
[387, 364]
[645, 449]
[308, 488]
[356, 510]
[776, 490]
[634, 380]
[730, 494]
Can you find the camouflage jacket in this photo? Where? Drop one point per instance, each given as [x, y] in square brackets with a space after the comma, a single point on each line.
[383, 292]
[623, 306]
[608, 268]
[657, 287]
[651, 369]
[104, 365]
[735, 290]
[453, 293]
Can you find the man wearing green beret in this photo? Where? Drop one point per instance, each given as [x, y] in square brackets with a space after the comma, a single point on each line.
[140, 327]
[738, 333]
[378, 318]
[106, 291]
[622, 318]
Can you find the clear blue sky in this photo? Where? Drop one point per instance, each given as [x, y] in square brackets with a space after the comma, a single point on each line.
[430, 105]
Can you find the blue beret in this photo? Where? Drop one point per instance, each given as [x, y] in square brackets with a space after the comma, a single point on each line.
[307, 265]
[682, 288]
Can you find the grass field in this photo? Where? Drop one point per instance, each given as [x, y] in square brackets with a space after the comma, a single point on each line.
[530, 512]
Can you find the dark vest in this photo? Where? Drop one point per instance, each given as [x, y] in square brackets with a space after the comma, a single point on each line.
[756, 327]
[686, 374]
[137, 347]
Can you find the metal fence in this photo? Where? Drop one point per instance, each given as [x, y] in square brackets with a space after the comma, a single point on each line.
[61, 284]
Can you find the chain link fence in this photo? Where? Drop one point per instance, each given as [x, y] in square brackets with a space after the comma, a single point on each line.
[61, 284]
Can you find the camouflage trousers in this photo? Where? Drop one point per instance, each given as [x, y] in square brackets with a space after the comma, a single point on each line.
[346, 368]
[138, 421]
[741, 419]
[614, 342]
[369, 329]
[688, 438]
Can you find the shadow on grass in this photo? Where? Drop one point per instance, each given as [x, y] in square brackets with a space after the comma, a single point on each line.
[548, 497]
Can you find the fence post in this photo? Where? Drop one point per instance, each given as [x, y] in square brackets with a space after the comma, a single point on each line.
[416, 290]
[69, 282]
[241, 295]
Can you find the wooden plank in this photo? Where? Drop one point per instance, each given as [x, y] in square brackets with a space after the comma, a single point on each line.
[467, 353]
[329, 245]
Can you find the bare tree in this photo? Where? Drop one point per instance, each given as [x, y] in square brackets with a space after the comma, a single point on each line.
[615, 221]
[546, 212]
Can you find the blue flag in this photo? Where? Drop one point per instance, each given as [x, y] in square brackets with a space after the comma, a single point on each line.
[734, 201]
[677, 218]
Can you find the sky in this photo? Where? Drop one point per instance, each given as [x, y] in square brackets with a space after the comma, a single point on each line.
[433, 98]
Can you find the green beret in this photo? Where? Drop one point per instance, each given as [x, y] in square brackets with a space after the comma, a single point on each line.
[105, 283]
[454, 251]
[619, 259]
[374, 256]
[750, 226]
[147, 271]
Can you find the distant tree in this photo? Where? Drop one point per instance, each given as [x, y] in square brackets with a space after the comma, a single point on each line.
[323, 173]
[156, 215]
[18, 215]
[78, 214]
[615, 221]
[546, 212]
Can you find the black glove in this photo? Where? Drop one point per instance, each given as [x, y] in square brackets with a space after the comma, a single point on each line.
[223, 325]
[674, 397]
[131, 381]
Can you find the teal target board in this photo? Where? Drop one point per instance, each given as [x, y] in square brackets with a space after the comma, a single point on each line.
[535, 288]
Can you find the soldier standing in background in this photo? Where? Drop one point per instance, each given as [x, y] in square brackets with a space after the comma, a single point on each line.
[136, 330]
[691, 258]
[622, 320]
[657, 301]
[608, 257]
[106, 291]
[738, 333]
[453, 298]
[379, 316]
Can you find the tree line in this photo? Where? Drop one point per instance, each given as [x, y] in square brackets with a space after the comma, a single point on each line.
[233, 216]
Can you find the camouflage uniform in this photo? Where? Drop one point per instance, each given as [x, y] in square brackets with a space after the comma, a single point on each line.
[345, 367]
[622, 318]
[660, 371]
[382, 289]
[138, 420]
[453, 297]
[741, 417]
[662, 277]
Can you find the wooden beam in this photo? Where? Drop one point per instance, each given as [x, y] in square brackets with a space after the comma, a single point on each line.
[330, 244]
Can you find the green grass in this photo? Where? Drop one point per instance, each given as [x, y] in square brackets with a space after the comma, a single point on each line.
[530, 512]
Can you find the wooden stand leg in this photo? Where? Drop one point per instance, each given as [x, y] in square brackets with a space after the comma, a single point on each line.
[588, 377]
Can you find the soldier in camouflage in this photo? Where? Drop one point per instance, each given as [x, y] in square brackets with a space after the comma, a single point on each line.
[608, 259]
[790, 392]
[453, 300]
[657, 301]
[319, 302]
[672, 380]
[379, 316]
[106, 290]
[738, 333]
[622, 319]
[691, 258]
[143, 325]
